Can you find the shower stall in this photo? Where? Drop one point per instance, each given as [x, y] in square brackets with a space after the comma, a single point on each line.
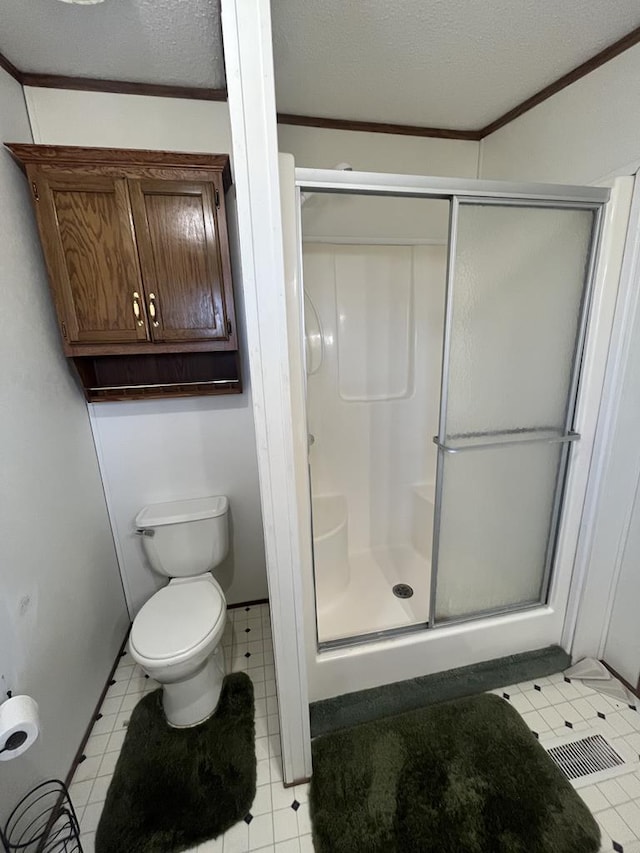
[442, 328]
[374, 320]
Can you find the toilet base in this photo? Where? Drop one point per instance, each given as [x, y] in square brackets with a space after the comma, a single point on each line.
[192, 701]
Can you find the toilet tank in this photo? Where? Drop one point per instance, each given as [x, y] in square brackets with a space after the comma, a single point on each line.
[185, 538]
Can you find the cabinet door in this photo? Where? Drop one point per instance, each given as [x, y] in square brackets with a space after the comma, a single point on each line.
[180, 256]
[87, 230]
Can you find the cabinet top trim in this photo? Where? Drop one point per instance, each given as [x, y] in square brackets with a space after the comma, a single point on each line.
[68, 155]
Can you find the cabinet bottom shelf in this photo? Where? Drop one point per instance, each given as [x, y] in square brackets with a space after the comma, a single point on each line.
[141, 377]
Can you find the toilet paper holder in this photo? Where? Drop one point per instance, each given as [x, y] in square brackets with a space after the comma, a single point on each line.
[19, 726]
[14, 742]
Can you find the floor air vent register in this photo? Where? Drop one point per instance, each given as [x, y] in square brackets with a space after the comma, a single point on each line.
[584, 757]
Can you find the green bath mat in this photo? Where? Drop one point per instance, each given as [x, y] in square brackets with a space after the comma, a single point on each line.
[175, 788]
[461, 777]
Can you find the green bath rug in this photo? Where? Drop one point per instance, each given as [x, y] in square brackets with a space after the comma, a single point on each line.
[461, 777]
[175, 788]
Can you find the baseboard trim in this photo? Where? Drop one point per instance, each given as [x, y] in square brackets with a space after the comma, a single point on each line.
[634, 690]
[248, 603]
[80, 756]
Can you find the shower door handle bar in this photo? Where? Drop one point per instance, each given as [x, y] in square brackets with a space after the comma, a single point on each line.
[555, 439]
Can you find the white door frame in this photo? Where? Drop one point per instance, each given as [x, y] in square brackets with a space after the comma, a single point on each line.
[246, 28]
[615, 465]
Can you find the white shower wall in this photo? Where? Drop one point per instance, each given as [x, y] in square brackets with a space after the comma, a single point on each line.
[373, 398]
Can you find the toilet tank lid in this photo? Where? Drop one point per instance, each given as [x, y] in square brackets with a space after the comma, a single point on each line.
[174, 512]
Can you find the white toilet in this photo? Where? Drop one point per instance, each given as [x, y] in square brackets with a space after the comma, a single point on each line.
[176, 635]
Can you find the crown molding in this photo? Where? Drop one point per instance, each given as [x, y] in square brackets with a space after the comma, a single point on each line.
[10, 68]
[89, 84]
[378, 127]
[611, 52]
[121, 87]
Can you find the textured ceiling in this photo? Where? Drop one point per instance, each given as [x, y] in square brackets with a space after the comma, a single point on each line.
[439, 63]
[175, 42]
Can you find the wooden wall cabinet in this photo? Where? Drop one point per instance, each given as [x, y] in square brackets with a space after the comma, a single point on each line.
[137, 253]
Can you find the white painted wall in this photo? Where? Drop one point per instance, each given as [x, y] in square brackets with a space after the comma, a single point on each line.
[171, 449]
[586, 132]
[64, 117]
[158, 450]
[622, 647]
[62, 611]
[344, 218]
[324, 148]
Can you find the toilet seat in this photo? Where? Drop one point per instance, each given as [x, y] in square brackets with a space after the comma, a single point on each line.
[177, 621]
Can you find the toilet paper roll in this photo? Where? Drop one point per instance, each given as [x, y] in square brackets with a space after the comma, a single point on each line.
[19, 726]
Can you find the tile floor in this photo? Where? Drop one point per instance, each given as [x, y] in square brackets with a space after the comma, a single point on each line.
[279, 818]
[556, 707]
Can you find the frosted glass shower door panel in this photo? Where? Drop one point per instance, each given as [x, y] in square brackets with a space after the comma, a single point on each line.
[516, 310]
[495, 522]
[515, 307]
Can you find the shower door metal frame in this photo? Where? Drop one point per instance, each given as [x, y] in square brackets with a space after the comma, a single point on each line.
[568, 435]
[420, 186]
[470, 191]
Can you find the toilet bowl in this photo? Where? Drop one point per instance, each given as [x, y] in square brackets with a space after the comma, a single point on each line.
[175, 636]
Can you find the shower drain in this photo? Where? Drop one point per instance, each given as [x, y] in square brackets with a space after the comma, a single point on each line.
[403, 590]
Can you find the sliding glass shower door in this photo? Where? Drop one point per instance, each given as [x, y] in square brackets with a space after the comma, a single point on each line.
[516, 310]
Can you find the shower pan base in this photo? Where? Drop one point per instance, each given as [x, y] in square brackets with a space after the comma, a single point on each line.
[368, 605]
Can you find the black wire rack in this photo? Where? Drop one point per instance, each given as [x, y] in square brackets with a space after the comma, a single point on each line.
[44, 821]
